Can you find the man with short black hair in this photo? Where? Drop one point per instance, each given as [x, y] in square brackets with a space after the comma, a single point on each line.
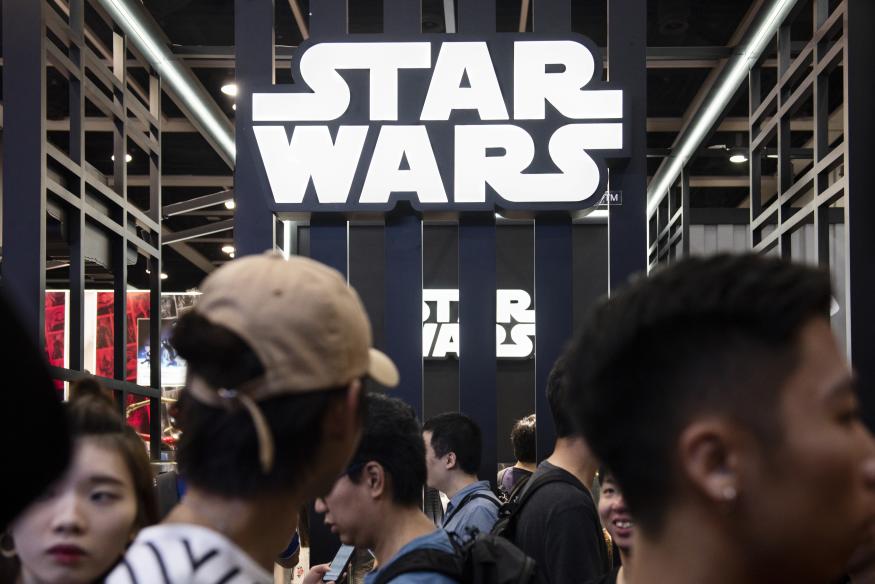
[522, 436]
[453, 447]
[376, 502]
[559, 525]
[717, 394]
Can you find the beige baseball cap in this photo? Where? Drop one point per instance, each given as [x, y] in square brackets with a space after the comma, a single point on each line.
[308, 328]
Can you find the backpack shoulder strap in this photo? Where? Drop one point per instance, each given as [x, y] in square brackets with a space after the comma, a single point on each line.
[518, 487]
[422, 560]
[467, 499]
[534, 483]
[510, 511]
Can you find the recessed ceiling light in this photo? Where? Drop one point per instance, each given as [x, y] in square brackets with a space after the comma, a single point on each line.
[738, 158]
[164, 276]
[128, 157]
[229, 89]
[228, 249]
[230, 204]
[234, 106]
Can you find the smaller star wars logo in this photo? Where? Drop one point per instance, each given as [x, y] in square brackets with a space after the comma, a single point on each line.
[514, 327]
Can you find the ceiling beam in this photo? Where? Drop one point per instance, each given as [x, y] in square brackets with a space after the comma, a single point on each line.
[197, 203]
[103, 124]
[222, 181]
[195, 232]
[198, 259]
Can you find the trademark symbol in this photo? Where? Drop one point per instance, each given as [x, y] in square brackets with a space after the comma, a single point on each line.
[612, 198]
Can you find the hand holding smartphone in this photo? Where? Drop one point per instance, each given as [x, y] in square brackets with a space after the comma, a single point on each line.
[339, 564]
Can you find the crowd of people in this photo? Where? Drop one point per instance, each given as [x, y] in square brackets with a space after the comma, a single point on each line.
[707, 431]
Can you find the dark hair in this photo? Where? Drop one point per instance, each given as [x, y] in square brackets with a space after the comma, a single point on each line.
[94, 416]
[28, 397]
[89, 386]
[557, 397]
[604, 474]
[452, 432]
[717, 334]
[218, 450]
[393, 438]
[522, 436]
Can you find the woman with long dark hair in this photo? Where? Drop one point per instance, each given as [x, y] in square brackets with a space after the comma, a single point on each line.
[80, 527]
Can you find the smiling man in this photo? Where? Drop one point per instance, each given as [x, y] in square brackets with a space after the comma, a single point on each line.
[719, 397]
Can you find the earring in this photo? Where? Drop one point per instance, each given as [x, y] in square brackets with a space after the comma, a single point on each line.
[729, 493]
[7, 545]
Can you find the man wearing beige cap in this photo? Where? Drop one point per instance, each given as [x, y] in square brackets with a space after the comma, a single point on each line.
[277, 351]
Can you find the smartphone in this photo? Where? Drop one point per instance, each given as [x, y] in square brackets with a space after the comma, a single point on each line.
[339, 564]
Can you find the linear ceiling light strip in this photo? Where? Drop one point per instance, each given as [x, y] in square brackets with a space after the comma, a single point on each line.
[733, 76]
[145, 34]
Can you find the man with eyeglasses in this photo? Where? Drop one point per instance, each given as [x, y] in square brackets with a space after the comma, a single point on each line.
[376, 503]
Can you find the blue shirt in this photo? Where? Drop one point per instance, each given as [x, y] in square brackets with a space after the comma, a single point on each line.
[478, 513]
[438, 540]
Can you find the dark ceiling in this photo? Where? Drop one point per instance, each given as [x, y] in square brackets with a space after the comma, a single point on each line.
[686, 39]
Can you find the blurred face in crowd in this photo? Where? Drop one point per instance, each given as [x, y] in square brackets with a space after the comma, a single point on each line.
[81, 525]
[436, 466]
[807, 500]
[351, 507]
[614, 514]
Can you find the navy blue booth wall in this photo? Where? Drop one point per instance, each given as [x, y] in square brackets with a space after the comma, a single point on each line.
[515, 385]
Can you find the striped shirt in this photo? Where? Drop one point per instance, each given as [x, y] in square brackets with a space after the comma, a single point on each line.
[178, 553]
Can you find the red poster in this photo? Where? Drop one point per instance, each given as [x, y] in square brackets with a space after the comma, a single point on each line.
[137, 307]
[55, 325]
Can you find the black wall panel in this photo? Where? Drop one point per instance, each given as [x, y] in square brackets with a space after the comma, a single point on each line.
[440, 269]
[515, 270]
[590, 261]
[367, 267]
[515, 267]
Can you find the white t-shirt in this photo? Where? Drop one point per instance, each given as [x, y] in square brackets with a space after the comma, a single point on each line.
[179, 553]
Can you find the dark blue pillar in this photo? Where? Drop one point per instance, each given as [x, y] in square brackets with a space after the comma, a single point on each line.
[24, 135]
[859, 86]
[403, 321]
[328, 232]
[254, 224]
[627, 62]
[478, 396]
[553, 282]
[554, 313]
[403, 251]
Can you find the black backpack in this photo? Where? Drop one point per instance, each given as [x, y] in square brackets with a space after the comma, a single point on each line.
[483, 559]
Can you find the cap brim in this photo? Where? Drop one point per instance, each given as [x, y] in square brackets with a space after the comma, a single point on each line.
[382, 369]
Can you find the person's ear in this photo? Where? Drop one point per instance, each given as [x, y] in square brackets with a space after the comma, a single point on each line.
[374, 477]
[709, 453]
[451, 460]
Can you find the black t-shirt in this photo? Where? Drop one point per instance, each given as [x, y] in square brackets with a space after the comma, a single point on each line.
[559, 528]
[609, 578]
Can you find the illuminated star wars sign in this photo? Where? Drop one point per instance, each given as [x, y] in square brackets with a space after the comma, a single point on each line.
[514, 328]
[445, 121]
